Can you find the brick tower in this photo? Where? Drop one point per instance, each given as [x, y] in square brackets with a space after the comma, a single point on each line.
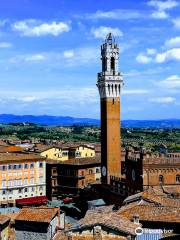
[109, 84]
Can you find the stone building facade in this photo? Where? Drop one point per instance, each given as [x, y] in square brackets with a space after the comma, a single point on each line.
[145, 169]
[72, 175]
[22, 175]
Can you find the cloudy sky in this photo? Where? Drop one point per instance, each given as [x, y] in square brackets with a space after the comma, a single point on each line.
[50, 56]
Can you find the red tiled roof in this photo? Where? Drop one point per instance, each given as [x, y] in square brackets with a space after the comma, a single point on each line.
[151, 213]
[37, 214]
[106, 217]
[10, 149]
[19, 156]
[3, 219]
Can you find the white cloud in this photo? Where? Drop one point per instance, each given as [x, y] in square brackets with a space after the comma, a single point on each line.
[5, 45]
[176, 23]
[102, 31]
[134, 91]
[161, 7]
[36, 28]
[159, 15]
[35, 57]
[119, 14]
[169, 55]
[151, 51]
[172, 82]
[173, 42]
[80, 56]
[28, 99]
[68, 54]
[28, 58]
[142, 58]
[84, 94]
[165, 100]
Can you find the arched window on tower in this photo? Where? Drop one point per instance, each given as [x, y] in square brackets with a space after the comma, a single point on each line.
[161, 179]
[178, 178]
[104, 64]
[112, 64]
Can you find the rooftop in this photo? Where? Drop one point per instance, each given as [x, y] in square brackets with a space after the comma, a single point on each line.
[18, 157]
[41, 215]
[151, 213]
[105, 216]
[77, 161]
[155, 196]
[9, 149]
[3, 219]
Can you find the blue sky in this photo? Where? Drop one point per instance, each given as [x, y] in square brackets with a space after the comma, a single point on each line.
[50, 56]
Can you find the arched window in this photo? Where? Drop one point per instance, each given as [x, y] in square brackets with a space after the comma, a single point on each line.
[112, 64]
[161, 179]
[178, 178]
[104, 64]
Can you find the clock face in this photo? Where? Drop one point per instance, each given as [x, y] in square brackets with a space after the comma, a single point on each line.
[104, 171]
[133, 175]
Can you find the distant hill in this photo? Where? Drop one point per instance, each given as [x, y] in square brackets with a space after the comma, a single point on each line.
[68, 121]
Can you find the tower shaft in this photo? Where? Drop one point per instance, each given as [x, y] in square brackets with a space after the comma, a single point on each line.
[109, 85]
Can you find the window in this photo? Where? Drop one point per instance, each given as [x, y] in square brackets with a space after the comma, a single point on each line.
[15, 167]
[19, 182]
[40, 188]
[25, 181]
[32, 181]
[161, 179]
[104, 65]
[40, 164]
[26, 165]
[32, 189]
[20, 191]
[4, 168]
[10, 183]
[97, 170]
[32, 165]
[20, 166]
[25, 190]
[40, 179]
[9, 167]
[15, 183]
[112, 64]
[3, 183]
[178, 178]
[4, 192]
[90, 171]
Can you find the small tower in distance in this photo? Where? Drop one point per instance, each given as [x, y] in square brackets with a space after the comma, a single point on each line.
[109, 84]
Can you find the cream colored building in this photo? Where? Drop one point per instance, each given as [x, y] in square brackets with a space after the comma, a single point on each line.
[21, 176]
[66, 153]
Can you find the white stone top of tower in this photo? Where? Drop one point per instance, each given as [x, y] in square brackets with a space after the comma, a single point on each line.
[110, 80]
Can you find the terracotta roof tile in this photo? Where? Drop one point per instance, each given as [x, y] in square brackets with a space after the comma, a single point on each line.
[20, 156]
[150, 212]
[37, 214]
[9, 149]
[3, 219]
[106, 217]
[154, 196]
